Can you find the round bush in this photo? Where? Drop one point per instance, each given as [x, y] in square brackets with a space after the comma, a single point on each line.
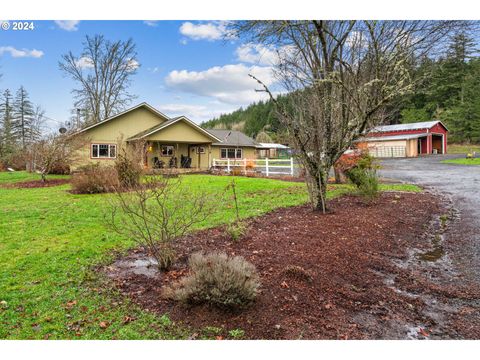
[219, 280]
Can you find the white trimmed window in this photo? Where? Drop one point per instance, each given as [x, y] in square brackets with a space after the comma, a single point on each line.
[104, 151]
[200, 149]
[231, 153]
[167, 150]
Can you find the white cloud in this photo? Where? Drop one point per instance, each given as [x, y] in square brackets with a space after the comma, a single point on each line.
[68, 25]
[264, 55]
[152, 23]
[84, 62]
[257, 54]
[133, 65]
[16, 53]
[215, 30]
[196, 113]
[228, 84]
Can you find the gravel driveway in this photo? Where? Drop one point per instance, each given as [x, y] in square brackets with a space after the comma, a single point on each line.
[461, 183]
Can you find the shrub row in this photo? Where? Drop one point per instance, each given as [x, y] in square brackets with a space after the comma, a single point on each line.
[95, 178]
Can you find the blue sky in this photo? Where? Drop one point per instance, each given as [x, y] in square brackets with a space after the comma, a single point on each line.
[186, 67]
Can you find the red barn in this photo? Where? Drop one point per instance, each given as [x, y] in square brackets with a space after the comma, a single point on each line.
[406, 140]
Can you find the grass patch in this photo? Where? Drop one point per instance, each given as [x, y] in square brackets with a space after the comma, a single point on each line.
[462, 148]
[51, 241]
[400, 187]
[463, 161]
[19, 176]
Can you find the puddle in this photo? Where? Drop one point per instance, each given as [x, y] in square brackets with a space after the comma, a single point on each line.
[437, 252]
[147, 267]
[436, 232]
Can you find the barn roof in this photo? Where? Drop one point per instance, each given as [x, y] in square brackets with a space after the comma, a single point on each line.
[393, 137]
[406, 127]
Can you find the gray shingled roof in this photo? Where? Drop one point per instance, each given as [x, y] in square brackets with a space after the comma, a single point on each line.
[404, 127]
[232, 138]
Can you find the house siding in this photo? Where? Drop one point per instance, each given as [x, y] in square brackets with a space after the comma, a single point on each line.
[182, 135]
[116, 131]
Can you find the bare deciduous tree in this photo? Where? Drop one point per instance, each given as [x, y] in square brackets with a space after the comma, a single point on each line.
[53, 151]
[103, 71]
[341, 75]
[156, 212]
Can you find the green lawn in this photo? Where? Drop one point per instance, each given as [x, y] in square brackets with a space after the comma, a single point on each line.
[51, 241]
[462, 148]
[463, 161]
[19, 176]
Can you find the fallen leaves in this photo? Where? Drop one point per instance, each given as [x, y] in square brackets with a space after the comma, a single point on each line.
[70, 304]
[127, 319]
[103, 324]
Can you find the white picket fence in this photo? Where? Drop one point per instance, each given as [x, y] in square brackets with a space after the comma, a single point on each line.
[265, 166]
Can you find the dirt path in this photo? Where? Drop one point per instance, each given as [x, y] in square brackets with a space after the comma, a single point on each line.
[458, 260]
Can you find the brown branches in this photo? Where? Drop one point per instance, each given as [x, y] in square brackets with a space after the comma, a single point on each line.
[103, 72]
[340, 76]
[156, 212]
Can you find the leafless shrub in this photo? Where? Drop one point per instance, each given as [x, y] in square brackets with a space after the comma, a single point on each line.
[157, 211]
[54, 153]
[129, 165]
[217, 280]
[94, 179]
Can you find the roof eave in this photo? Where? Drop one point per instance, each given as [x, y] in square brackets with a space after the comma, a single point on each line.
[175, 120]
[151, 108]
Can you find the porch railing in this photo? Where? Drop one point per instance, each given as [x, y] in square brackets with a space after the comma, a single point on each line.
[264, 166]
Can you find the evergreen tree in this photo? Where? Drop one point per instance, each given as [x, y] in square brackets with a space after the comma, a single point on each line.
[447, 89]
[7, 137]
[23, 116]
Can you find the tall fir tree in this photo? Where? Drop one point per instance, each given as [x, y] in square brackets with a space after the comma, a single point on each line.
[23, 116]
[7, 136]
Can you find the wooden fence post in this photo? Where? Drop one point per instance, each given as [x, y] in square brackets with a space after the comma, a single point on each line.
[266, 167]
[228, 165]
[291, 166]
[245, 166]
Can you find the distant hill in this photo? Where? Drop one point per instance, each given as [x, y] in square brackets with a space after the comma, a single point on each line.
[257, 118]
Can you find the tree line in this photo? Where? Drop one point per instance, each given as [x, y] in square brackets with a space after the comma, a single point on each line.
[445, 87]
[102, 74]
[21, 125]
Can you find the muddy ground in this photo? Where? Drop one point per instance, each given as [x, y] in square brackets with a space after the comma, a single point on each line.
[35, 184]
[383, 270]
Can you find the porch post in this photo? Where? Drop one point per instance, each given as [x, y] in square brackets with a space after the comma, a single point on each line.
[145, 155]
[198, 157]
[209, 156]
[176, 157]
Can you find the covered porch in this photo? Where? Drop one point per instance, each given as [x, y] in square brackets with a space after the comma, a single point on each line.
[176, 144]
[177, 155]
